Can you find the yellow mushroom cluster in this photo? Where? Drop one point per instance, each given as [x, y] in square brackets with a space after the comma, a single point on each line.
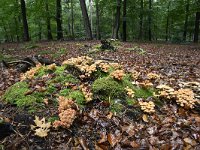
[146, 84]
[30, 74]
[148, 107]
[66, 113]
[104, 66]
[118, 74]
[130, 92]
[153, 76]
[185, 98]
[165, 91]
[135, 74]
[87, 93]
[51, 67]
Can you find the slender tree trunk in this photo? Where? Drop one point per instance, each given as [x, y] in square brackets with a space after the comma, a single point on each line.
[150, 19]
[97, 20]
[25, 24]
[86, 19]
[72, 18]
[167, 25]
[59, 19]
[141, 19]
[117, 21]
[186, 20]
[48, 21]
[196, 30]
[124, 20]
[91, 11]
[40, 30]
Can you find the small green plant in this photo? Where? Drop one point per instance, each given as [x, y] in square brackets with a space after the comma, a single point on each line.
[53, 118]
[137, 49]
[143, 92]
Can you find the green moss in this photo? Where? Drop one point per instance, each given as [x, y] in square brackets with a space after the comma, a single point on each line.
[16, 95]
[65, 92]
[50, 89]
[66, 78]
[143, 93]
[15, 92]
[59, 70]
[130, 101]
[107, 87]
[77, 96]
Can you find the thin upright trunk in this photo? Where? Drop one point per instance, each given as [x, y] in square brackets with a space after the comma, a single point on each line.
[40, 31]
[72, 18]
[86, 20]
[124, 21]
[97, 20]
[150, 19]
[59, 19]
[91, 11]
[167, 25]
[186, 20]
[117, 21]
[25, 24]
[141, 20]
[196, 30]
[48, 22]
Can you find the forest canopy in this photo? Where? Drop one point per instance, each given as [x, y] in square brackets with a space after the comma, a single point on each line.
[144, 20]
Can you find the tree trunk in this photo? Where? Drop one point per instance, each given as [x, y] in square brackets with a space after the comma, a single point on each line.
[186, 20]
[141, 20]
[167, 25]
[91, 11]
[97, 20]
[150, 20]
[48, 22]
[25, 24]
[72, 18]
[117, 21]
[196, 30]
[86, 20]
[59, 19]
[124, 21]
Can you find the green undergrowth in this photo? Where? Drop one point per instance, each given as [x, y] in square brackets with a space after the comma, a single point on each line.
[62, 81]
[16, 94]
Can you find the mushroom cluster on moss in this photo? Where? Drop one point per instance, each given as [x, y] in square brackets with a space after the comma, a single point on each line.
[118, 74]
[31, 73]
[87, 93]
[130, 92]
[67, 113]
[148, 107]
[135, 74]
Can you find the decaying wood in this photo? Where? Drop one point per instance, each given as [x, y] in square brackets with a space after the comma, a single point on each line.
[26, 63]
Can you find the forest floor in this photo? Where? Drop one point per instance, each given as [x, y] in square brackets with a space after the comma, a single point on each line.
[171, 127]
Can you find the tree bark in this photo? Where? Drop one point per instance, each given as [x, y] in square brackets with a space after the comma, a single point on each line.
[117, 21]
[72, 18]
[150, 19]
[48, 21]
[141, 19]
[196, 30]
[186, 20]
[59, 19]
[97, 20]
[167, 25]
[124, 20]
[86, 20]
[25, 24]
